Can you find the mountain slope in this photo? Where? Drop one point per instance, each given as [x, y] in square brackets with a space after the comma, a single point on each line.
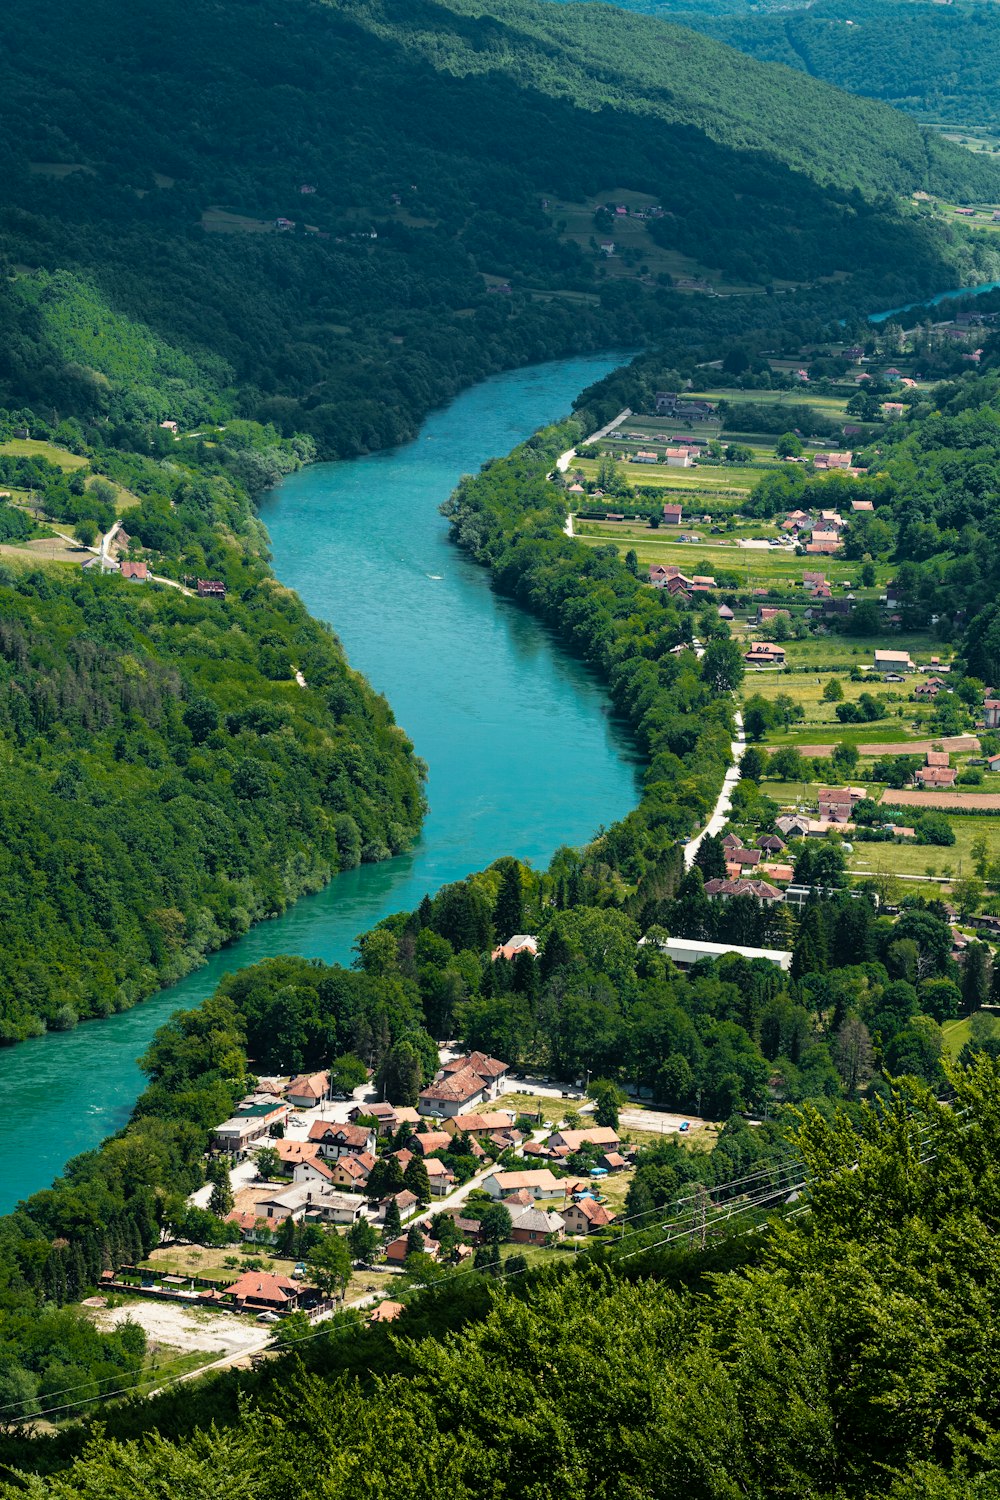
[938, 61]
[157, 170]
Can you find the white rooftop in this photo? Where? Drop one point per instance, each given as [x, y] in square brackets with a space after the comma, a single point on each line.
[689, 951]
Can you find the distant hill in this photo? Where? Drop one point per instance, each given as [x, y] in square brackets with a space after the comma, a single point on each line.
[330, 216]
[937, 61]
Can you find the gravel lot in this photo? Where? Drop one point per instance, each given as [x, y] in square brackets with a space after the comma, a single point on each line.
[189, 1329]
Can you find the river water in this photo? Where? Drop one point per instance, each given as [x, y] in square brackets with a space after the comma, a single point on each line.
[524, 752]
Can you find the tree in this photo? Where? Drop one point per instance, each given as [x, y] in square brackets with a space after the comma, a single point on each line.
[347, 1073]
[221, 1200]
[293, 1328]
[608, 1102]
[722, 666]
[392, 1225]
[495, 1224]
[968, 896]
[401, 1075]
[329, 1265]
[789, 446]
[753, 764]
[711, 857]
[414, 1241]
[416, 1179]
[268, 1163]
[632, 562]
[508, 913]
[363, 1239]
[975, 976]
[787, 764]
[85, 532]
[833, 692]
[852, 1053]
[385, 1178]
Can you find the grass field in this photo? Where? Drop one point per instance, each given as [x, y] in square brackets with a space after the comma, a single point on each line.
[202, 1260]
[36, 448]
[758, 567]
[956, 1034]
[921, 859]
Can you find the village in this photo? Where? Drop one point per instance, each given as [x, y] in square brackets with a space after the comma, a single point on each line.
[484, 1161]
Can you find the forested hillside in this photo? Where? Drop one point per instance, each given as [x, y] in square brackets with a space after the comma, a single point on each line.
[935, 61]
[407, 148]
[167, 778]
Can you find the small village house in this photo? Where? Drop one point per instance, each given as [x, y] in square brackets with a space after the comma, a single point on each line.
[536, 1226]
[672, 514]
[586, 1216]
[264, 1291]
[521, 942]
[893, 661]
[335, 1140]
[539, 1183]
[308, 1090]
[765, 654]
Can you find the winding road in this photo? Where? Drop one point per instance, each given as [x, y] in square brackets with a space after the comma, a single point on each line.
[717, 821]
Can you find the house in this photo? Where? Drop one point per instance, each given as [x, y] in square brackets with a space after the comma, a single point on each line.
[312, 1200]
[936, 776]
[596, 1135]
[765, 613]
[893, 661]
[211, 588]
[793, 825]
[454, 1094]
[813, 581]
[743, 857]
[928, 689]
[669, 404]
[387, 1312]
[440, 1176]
[725, 613]
[586, 1216]
[396, 1252]
[535, 1226]
[893, 410]
[520, 1198]
[824, 542]
[352, 1172]
[775, 873]
[643, 456]
[724, 890]
[264, 1291]
[500, 1122]
[858, 506]
[135, 572]
[678, 458]
[770, 843]
[702, 582]
[937, 758]
[405, 1201]
[540, 1184]
[251, 1227]
[765, 654]
[312, 1169]
[732, 841]
[308, 1090]
[835, 804]
[832, 460]
[290, 1153]
[672, 515]
[432, 1140]
[386, 1116]
[491, 1069]
[831, 520]
[612, 1161]
[993, 762]
[336, 1140]
[521, 942]
[991, 713]
[237, 1135]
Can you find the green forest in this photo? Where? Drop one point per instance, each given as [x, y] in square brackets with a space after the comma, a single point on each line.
[167, 779]
[935, 61]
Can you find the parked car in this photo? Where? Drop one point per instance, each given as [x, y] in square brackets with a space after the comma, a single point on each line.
[685, 1125]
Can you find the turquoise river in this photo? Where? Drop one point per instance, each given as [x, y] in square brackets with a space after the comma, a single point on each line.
[523, 749]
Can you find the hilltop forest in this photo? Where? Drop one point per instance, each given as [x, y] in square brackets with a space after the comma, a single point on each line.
[935, 61]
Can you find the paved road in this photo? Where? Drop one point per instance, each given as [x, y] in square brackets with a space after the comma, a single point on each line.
[717, 821]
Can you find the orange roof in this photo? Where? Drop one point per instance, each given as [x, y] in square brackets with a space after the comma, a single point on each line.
[263, 1286]
[386, 1312]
